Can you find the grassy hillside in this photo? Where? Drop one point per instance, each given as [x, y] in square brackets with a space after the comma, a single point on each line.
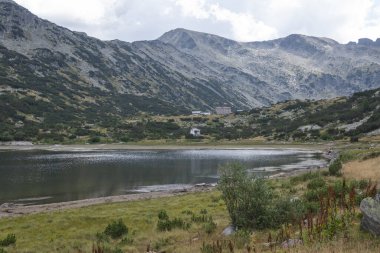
[37, 119]
[332, 119]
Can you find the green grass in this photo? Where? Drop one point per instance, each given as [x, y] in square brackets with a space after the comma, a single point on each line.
[75, 229]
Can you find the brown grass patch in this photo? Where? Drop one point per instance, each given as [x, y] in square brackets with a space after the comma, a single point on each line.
[366, 169]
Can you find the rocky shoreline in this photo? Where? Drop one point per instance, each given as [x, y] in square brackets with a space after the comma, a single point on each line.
[13, 210]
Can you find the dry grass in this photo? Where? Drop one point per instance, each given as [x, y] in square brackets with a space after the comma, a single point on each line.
[341, 246]
[363, 169]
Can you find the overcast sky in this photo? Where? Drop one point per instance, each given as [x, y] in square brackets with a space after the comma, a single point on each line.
[242, 20]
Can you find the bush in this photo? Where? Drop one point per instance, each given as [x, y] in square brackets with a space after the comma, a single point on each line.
[116, 229]
[209, 226]
[163, 215]
[336, 167]
[242, 238]
[311, 195]
[316, 183]
[95, 139]
[168, 225]
[250, 201]
[363, 184]
[165, 224]
[161, 243]
[354, 139]
[9, 240]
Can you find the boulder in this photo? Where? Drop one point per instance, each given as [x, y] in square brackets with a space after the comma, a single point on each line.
[291, 243]
[229, 230]
[370, 208]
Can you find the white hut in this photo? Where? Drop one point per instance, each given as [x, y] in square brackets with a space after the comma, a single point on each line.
[195, 132]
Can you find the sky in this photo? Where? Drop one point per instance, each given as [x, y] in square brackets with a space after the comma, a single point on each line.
[241, 20]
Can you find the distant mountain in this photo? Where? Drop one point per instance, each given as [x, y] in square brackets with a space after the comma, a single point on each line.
[50, 74]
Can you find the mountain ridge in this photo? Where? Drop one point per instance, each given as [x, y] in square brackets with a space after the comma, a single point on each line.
[183, 69]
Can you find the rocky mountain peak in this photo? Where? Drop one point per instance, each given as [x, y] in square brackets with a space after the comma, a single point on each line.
[7, 1]
[180, 38]
[306, 45]
[191, 40]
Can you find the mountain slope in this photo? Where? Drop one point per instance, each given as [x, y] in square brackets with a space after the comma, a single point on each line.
[49, 73]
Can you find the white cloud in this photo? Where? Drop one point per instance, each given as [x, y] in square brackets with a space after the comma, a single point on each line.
[244, 26]
[243, 20]
[86, 11]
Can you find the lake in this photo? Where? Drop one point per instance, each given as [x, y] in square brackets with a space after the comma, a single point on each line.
[37, 177]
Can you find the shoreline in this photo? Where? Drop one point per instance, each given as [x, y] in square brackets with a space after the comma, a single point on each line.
[9, 210]
[101, 147]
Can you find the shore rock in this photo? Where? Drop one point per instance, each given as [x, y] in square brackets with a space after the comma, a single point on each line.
[371, 215]
[229, 230]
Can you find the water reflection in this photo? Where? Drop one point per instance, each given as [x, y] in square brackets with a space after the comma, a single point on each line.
[42, 176]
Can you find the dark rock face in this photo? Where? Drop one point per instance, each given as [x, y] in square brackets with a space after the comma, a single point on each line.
[371, 215]
[365, 42]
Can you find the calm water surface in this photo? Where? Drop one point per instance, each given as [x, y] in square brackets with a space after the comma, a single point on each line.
[35, 177]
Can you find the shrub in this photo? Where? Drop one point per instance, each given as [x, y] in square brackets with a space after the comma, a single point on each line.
[336, 167]
[241, 238]
[311, 195]
[251, 202]
[9, 240]
[168, 225]
[101, 237]
[95, 139]
[247, 198]
[287, 210]
[354, 139]
[316, 183]
[116, 229]
[363, 184]
[163, 215]
[158, 245]
[209, 226]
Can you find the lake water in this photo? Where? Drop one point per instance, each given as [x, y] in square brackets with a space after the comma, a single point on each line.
[36, 177]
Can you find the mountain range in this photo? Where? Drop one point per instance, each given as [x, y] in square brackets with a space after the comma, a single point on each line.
[48, 71]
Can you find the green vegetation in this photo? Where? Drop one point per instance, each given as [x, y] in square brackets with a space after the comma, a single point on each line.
[8, 240]
[77, 117]
[284, 120]
[116, 229]
[335, 167]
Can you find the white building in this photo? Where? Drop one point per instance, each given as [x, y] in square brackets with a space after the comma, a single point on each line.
[195, 132]
[196, 112]
[223, 110]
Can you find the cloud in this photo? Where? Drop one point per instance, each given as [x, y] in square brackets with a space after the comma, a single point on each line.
[243, 20]
[243, 25]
